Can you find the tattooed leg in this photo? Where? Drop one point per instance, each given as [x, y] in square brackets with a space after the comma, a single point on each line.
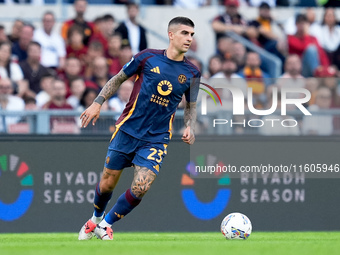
[142, 180]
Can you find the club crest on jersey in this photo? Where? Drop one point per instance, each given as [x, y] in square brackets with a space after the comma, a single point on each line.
[164, 87]
[182, 78]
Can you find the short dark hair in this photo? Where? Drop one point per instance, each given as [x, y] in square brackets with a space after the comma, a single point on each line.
[301, 18]
[34, 43]
[108, 17]
[30, 100]
[75, 79]
[98, 19]
[181, 21]
[28, 24]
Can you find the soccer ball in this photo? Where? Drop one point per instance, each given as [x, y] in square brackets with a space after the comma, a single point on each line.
[236, 226]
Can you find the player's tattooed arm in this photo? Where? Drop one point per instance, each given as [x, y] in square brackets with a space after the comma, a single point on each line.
[111, 87]
[190, 115]
[142, 180]
[189, 122]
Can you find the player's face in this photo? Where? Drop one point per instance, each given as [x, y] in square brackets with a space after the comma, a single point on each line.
[181, 37]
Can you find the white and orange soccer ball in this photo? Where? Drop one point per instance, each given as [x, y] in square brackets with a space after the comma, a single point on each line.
[236, 226]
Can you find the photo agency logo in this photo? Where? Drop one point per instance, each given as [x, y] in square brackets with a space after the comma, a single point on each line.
[281, 101]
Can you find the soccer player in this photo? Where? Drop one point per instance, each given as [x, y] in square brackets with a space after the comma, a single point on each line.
[143, 130]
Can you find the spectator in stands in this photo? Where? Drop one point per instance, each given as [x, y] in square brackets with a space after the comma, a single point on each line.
[112, 54]
[87, 27]
[106, 25]
[225, 47]
[131, 31]
[118, 103]
[239, 54]
[290, 25]
[46, 85]
[30, 104]
[53, 50]
[228, 76]
[58, 97]
[16, 30]
[328, 78]
[58, 102]
[231, 20]
[100, 73]
[11, 70]
[77, 87]
[98, 36]
[94, 51]
[9, 102]
[87, 98]
[328, 34]
[115, 44]
[215, 65]
[306, 47]
[72, 69]
[76, 47]
[270, 35]
[32, 69]
[256, 79]
[292, 76]
[19, 49]
[3, 36]
[319, 124]
[125, 55]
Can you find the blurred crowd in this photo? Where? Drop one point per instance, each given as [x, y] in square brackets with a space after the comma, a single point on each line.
[42, 68]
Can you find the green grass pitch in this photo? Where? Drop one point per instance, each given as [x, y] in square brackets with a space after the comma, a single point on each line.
[274, 243]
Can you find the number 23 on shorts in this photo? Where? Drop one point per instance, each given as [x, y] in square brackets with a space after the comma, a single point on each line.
[152, 154]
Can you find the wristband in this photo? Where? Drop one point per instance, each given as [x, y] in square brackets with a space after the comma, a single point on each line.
[100, 100]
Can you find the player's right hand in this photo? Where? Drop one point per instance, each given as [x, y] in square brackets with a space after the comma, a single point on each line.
[92, 112]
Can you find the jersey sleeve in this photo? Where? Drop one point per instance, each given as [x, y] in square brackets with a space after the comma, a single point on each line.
[192, 93]
[134, 65]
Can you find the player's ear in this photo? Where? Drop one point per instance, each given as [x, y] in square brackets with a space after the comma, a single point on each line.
[171, 35]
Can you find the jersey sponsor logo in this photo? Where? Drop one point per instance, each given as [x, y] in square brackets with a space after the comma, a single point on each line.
[155, 70]
[159, 100]
[182, 78]
[164, 87]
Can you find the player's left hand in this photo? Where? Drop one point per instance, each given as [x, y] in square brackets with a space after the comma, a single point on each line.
[188, 136]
